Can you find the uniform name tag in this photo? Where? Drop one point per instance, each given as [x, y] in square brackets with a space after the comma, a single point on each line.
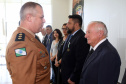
[20, 52]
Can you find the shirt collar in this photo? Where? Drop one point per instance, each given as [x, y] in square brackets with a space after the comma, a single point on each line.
[28, 31]
[75, 32]
[48, 35]
[99, 43]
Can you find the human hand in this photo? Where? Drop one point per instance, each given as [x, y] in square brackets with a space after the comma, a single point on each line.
[51, 58]
[56, 64]
[70, 82]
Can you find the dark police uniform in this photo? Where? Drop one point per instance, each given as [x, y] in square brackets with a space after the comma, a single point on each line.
[27, 59]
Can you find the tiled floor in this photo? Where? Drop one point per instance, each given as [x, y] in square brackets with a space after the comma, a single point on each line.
[4, 75]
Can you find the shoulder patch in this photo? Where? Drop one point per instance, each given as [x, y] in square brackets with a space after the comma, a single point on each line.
[20, 52]
[20, 37]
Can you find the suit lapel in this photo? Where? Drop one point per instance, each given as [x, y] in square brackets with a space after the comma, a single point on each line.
[66, 45]
[90, 59]
[72, 38]
[45, 39]
[94, 55]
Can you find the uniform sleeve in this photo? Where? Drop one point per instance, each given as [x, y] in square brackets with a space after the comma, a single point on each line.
[23, 59]
[8, 64]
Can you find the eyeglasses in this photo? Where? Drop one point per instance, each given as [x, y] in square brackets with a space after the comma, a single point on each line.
[64, 28]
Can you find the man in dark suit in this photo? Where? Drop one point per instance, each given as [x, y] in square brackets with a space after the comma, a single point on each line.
[103, 65]
[74, 52]
[47, 41]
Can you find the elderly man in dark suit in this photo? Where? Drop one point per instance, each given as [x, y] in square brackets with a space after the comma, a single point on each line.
[103, 65]
[74, 52]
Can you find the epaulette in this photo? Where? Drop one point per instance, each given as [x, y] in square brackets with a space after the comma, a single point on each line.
[20, 37]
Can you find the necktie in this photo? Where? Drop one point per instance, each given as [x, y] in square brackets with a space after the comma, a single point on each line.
[91, 51]
[37, 38]
[89, 54]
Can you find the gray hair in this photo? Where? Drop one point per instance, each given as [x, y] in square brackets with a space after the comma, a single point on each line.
[101, 26]
[28, 7]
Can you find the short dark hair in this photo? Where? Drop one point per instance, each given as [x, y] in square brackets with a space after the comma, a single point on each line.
[49, 26]
[59, 32]
[76, 19]
[64, 24]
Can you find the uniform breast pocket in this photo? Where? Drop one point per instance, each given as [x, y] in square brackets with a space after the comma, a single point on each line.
[43, 65]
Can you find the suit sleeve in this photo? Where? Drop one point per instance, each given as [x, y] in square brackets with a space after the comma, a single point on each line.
[81, 51]
[109, 68]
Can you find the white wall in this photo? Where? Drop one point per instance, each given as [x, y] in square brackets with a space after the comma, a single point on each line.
[70, 6]
[113, 14]
[60, 12]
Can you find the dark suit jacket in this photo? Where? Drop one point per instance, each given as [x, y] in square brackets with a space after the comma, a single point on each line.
[46, 43]
[73, 59]
[102, 67]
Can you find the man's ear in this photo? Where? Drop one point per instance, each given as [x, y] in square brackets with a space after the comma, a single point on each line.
[76, 24]
[101, 33]
[29, 17]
